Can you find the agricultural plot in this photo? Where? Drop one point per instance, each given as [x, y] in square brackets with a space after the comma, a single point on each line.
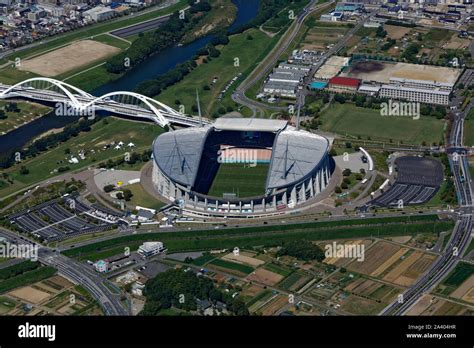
[456, 279]
[294, 281]
[431, 305]
[243, 258]
[368, 297]
[375, 257]
[407, 271]
[321, 35]
[264, 276]
[231, 267]
[465, 291]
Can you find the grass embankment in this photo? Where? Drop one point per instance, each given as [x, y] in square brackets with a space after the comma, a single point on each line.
[26, 112]
[46, 165]
[267, 235]
[240, 56]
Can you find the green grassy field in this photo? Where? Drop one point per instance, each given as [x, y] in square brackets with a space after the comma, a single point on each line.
[142, 198]
[349, 120]
[469, 130]
[244, 181]
[6, 305]
[27, 112]
[232, 266]
[248, 52]
[459, 274]
[278, 269]
[45, 165]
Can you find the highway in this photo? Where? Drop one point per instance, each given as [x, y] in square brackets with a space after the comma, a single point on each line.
[269, 62]
[461, 236]
[263, 69]
[77, 273]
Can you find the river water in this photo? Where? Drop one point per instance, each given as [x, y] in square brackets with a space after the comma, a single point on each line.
[154, 66]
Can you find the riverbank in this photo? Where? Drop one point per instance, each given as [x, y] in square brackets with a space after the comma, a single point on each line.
[26, 112]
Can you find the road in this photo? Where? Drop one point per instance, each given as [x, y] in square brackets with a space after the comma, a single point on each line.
[77, 273]
[263, 69]
[269, 62]
[6, 53]
[461, 236]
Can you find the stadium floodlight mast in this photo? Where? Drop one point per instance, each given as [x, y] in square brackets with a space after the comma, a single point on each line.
[298, 114]
[199, 108]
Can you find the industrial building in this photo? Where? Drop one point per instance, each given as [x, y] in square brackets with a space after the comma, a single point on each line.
[149, 249]
[344, 84]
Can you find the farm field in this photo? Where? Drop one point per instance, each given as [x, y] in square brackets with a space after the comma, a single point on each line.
[461, 274]
[322, 34]
[431, 305]
[52, 296]
[465, 291]
[230, 267]
[349, 120]
[46, 164]
[265, 277]
[376, 257]
[368, 297]
[410, 268]
[241, 179]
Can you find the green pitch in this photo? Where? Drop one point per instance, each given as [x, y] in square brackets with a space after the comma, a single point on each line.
[242, 180]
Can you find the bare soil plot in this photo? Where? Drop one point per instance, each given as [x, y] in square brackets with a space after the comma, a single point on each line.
[465, 291]
[374, 258]
[431, 305]
[30, 294]
[272, 306]
[68, 58]
[394, 258]
[264, 276]
[396, 32]
[243, 258]
[407, 271]
[456, 43]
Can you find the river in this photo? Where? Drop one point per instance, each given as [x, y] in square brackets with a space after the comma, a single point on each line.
[154, 66]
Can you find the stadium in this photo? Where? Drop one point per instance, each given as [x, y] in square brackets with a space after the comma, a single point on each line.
[237, 166]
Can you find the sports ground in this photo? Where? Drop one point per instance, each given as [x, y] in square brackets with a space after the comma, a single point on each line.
[241, 179]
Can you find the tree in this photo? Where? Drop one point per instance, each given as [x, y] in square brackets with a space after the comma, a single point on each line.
[346, 172]
[302, 249]
[3, 115]
[127, 194]
[24, 170]
[109, 188]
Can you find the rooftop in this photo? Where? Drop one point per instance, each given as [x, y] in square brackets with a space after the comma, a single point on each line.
[344, 81]
[249, 124]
